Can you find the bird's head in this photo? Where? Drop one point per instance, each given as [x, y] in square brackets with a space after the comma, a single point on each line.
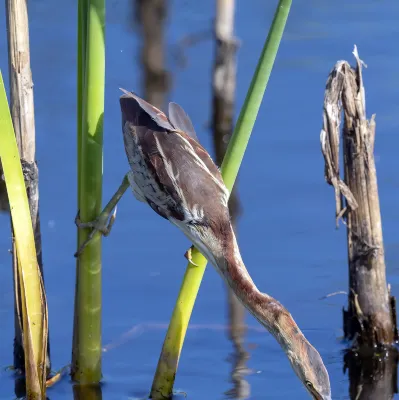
[309, 367]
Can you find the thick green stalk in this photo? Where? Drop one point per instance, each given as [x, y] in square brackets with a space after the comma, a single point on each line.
[81, 64]
[82, 33]
[167, 365]
[33, 298]
[86, 352]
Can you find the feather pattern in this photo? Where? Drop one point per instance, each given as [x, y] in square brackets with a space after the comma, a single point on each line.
[177, 176]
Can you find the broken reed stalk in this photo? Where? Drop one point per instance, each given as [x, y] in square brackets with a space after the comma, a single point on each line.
[162, 386]
[33, 306]
[86, 351]
[371, 317]
[224, 88]
[150, 15]
[23, 118]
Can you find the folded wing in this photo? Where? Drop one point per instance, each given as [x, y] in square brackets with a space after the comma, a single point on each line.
[189, 186]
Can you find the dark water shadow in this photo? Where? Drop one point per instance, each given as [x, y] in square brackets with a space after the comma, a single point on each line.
[87, 392]
[20, 387]
[372, 376]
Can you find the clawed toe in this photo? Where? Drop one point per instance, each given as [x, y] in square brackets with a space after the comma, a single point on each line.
[189, 257]
[101, 224]
[83, 225]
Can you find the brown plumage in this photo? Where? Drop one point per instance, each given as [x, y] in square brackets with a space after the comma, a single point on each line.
[175, 175]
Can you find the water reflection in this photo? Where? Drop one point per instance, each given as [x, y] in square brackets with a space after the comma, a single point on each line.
[20, 387]
[239, 356]
[87, 392]
[372, 377]
[224, 88]
[150, 16]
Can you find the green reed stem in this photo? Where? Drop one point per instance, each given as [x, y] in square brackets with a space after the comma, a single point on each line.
[86, 352]
[33, 298]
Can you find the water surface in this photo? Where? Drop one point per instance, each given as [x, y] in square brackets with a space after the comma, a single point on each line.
[286, 232]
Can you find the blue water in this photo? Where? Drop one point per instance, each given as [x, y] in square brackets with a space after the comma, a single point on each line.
[286, 233]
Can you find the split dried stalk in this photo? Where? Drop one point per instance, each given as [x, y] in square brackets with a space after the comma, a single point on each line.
[371, 318]
[23, 118]
[32, 302]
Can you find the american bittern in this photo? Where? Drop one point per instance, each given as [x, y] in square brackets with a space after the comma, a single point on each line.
[176, 177]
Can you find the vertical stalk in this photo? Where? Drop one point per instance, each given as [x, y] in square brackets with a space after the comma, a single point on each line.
[86, 352]
[167, 365]
[81, 68]
[370, 322]
[371, 318]
[23, 118]
[82, 34]
[32, 296]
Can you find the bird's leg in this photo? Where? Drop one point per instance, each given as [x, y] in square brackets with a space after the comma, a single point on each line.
[103, 223]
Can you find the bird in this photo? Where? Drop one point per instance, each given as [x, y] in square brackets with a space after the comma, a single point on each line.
[173, 173]
[177, 178]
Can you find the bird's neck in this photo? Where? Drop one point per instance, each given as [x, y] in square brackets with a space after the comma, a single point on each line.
[267, 310]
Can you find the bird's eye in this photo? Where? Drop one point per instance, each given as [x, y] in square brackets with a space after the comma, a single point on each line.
[313, 391]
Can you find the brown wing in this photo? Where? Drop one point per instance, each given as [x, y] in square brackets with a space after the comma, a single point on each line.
[204, 156]
[188, 175]
[190, 183]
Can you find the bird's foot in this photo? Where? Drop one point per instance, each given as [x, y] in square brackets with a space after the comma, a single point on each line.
[102, 224]
[188, 255]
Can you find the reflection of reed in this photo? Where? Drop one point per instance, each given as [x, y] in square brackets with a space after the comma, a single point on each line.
[20, 387]
[239, 357]
[236, 331]
[87, 392]
[372, 377]
[224, 83]
[150, 16]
